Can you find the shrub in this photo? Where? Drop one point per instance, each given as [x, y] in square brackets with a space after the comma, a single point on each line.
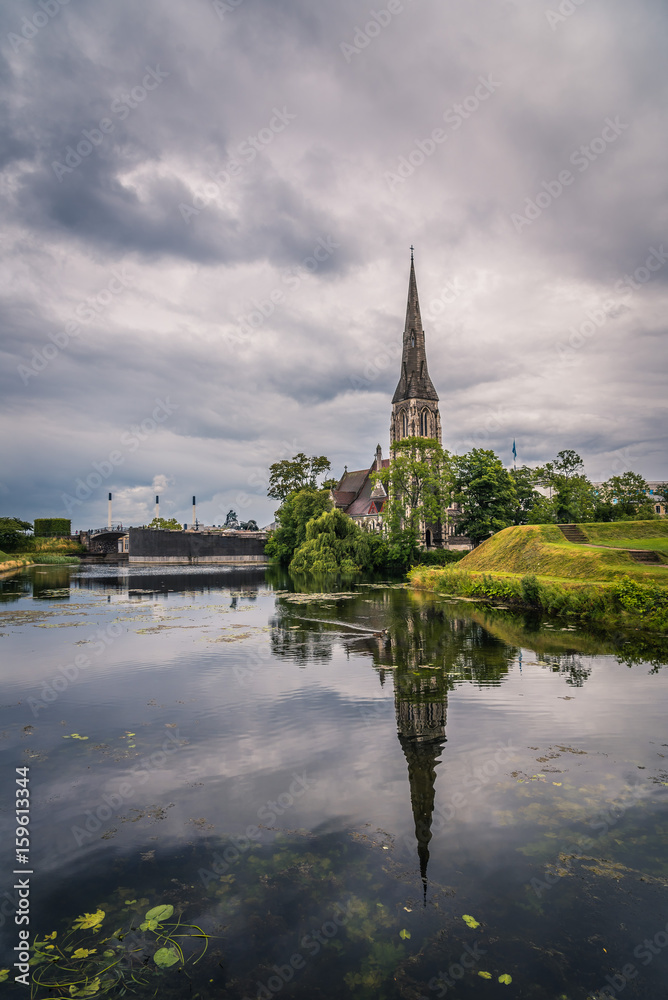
[52, 527]
[531, 590]
[438, 557]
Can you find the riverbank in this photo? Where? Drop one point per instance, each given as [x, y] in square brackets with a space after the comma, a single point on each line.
[535, 567]
[11, 561]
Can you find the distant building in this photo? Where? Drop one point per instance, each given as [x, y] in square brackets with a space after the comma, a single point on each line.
[653, 490]
[415, 413]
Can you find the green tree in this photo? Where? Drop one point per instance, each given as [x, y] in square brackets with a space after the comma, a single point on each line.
[170, 524]
[485, 492]
[419, 485]
[625, 496]
[574, 497]
[294, 514]
[543, 511]
[298, 473]
[524, 480]
[12, 533]
[335, 544]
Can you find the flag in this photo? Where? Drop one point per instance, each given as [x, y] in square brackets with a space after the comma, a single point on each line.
[514, 450]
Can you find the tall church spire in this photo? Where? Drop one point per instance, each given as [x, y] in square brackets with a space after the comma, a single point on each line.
[415, 401]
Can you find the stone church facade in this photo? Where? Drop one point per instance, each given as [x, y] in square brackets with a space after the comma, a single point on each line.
[415, 413]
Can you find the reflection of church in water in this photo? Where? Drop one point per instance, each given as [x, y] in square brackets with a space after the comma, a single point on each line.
[421, 705]
[424, 650]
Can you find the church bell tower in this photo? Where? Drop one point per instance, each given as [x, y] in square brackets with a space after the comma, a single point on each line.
[415, 401]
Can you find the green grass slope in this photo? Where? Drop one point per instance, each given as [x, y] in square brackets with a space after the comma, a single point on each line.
[629, 534]
[542, 550]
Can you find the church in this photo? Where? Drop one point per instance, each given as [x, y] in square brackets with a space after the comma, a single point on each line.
[414, 414]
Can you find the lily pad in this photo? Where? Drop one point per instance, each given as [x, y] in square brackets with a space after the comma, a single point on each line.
[165, 957]
[470, 921]
[505, 979]
[89, 921]
[485, 975]
[162, 912]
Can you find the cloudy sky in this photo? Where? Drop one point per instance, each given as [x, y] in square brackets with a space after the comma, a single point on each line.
[208, 209]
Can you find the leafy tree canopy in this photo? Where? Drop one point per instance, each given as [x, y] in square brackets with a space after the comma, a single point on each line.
[528, 497]
[335, 544]
[12, 533]
[298, 473]
[624, 496]
[419, 484]
[170, 524]
[485, 493]
[573, 496]
[293, 516]
[566, 465]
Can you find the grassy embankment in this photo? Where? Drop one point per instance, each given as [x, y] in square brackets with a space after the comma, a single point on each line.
[533, 566]
[42, 551]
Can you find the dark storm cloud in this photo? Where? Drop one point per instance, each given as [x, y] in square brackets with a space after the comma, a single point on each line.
[263, 195]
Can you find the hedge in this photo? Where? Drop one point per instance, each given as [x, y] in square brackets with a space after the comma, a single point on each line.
[52, 527]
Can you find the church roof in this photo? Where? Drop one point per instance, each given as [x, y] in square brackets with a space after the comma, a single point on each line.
[414, 382]
[355, 493]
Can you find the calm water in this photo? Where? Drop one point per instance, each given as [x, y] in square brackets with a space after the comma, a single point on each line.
[322, 787]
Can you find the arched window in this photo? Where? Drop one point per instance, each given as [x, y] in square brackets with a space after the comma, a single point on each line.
[412, 338]
[424, 424]
[404, 424]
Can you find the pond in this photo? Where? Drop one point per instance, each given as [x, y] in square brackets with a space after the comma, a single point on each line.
[238, 790]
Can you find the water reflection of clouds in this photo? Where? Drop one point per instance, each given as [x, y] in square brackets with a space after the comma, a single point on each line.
[386, 738]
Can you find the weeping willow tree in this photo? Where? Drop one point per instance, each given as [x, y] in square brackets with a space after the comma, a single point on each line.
[336, 545]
